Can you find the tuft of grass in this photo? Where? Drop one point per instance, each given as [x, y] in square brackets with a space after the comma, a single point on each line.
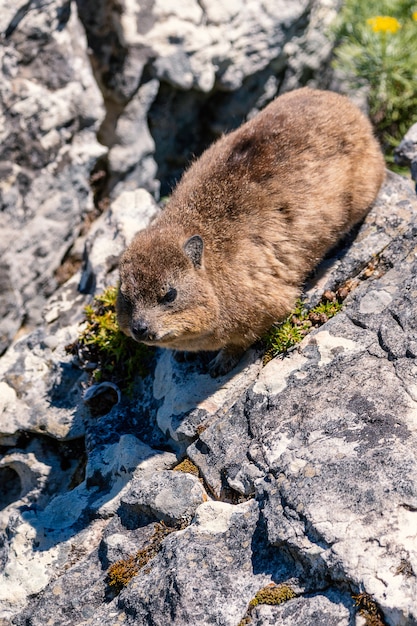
[300, 322]
[376, 47]
[105, 350]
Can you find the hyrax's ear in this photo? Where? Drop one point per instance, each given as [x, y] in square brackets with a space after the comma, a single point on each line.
[193, 248]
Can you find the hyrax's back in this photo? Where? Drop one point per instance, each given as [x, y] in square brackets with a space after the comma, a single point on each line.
[308, 163]
[247, 223]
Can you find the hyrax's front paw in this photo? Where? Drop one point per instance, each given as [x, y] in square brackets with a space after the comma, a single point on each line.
[224, 362]
[183, 357]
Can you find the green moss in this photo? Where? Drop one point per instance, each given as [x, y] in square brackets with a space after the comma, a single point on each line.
[369, 610]
[300, 322]
[121, 572]
[188, 467]
[272, 595]
[103, 347]
[160, 532]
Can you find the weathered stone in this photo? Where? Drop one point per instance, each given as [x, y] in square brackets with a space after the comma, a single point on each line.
[168, 496]
[43, 542]
[207, 567]
[341, 449]
[132, 156]
[194, 70]
[320, 610]
[41, 389]
[187, 396]
[327, 455]
[406, 152]
[110, 235]
[50, 112]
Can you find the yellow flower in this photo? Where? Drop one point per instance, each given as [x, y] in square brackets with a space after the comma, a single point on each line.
[414, 15]
[385, 24]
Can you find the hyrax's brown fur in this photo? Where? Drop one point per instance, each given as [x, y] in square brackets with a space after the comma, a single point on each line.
[247, 223]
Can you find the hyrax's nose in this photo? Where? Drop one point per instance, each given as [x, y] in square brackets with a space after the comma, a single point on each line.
[139, 329]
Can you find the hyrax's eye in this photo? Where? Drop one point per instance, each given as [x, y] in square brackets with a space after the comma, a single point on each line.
[169, 296]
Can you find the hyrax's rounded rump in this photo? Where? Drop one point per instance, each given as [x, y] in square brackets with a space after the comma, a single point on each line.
[246, 224]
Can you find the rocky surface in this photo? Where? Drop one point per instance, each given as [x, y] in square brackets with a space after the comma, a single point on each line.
[192, 70]
[307, 465]
[406, 153]
[50, 112]
[300, 476]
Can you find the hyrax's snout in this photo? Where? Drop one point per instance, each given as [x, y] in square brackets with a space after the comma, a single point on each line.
[140, 329]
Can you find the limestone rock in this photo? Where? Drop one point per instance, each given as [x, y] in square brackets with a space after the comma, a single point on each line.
[310, 460]
[41, 389]
[320, 610]
[207, 584]
[45, 543]
[406, 152]
[159, 99]
[49, 115]
[110, 235]
[169, 496]
[193, 70]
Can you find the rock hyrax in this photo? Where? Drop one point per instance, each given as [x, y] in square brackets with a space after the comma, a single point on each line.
[247, 223]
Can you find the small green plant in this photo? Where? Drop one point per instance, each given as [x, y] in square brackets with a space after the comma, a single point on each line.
[300, 322]
[376, 50]
[103, 347]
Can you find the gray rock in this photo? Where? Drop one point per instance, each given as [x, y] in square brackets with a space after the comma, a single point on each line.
[320, 610]
[207, 568]
[110, 235]
[169, 496]
[194, 70]
[406, 153]
[341, 449]
[65, 531]
[11, 306]
[40, 389]
[132, 157]
[150, 117]
[50, 112]
[188, 397]
[323, 457]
